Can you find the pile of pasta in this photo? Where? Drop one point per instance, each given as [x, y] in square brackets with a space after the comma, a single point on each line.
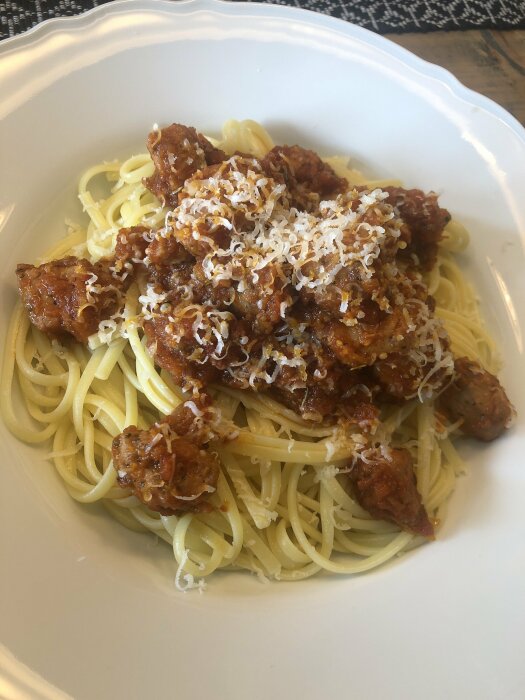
[280, 509]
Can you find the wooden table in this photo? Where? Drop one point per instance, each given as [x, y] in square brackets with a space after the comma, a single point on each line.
[490, 62]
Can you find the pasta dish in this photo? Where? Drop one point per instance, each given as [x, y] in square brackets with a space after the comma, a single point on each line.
[256, 354]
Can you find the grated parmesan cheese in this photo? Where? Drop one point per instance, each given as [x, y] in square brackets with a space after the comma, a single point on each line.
[290, 239]
[189, 581]
[151, 301]
[330, 471]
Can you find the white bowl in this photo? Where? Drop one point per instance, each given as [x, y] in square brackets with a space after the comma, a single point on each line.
[92, 607]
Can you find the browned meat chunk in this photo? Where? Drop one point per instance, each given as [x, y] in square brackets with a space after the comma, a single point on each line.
[477, 397]
[208, 215]
[69, 296]
[324, 388]
[166, 250]
[317, 404]
[202, 237]
[167, 473]
[311, 404]
[403, 375]
[262, 303]
[195, 423]
[360, 409]
[384, 484]
[173, 356]
[399, 376]
[425, 220]
[301, 166]
[177, 152]
[130, 251]
[362, 343]
[131, 244]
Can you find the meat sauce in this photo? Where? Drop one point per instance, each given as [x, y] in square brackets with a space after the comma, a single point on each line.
[69, 297]
[477, 399]
[383, 482]
[167, 467]
[274, 275]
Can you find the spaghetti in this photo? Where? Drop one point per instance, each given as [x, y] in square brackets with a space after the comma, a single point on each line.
[280, 508]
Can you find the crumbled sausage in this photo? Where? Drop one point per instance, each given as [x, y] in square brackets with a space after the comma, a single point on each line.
[166, 250]
[425, 220]
[383, 483]
[478, 399]
[177, 152]
[69, 296]
[303, 172]
[131, 244]
[171, 355]
[169, 474]
[362, 343]
[261, 303]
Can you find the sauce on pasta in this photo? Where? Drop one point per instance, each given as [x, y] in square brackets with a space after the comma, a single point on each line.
[257, 355]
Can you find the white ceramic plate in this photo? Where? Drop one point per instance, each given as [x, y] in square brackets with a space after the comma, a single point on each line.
[91, 607]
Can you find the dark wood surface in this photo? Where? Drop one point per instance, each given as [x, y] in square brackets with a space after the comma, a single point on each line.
[490, 62]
